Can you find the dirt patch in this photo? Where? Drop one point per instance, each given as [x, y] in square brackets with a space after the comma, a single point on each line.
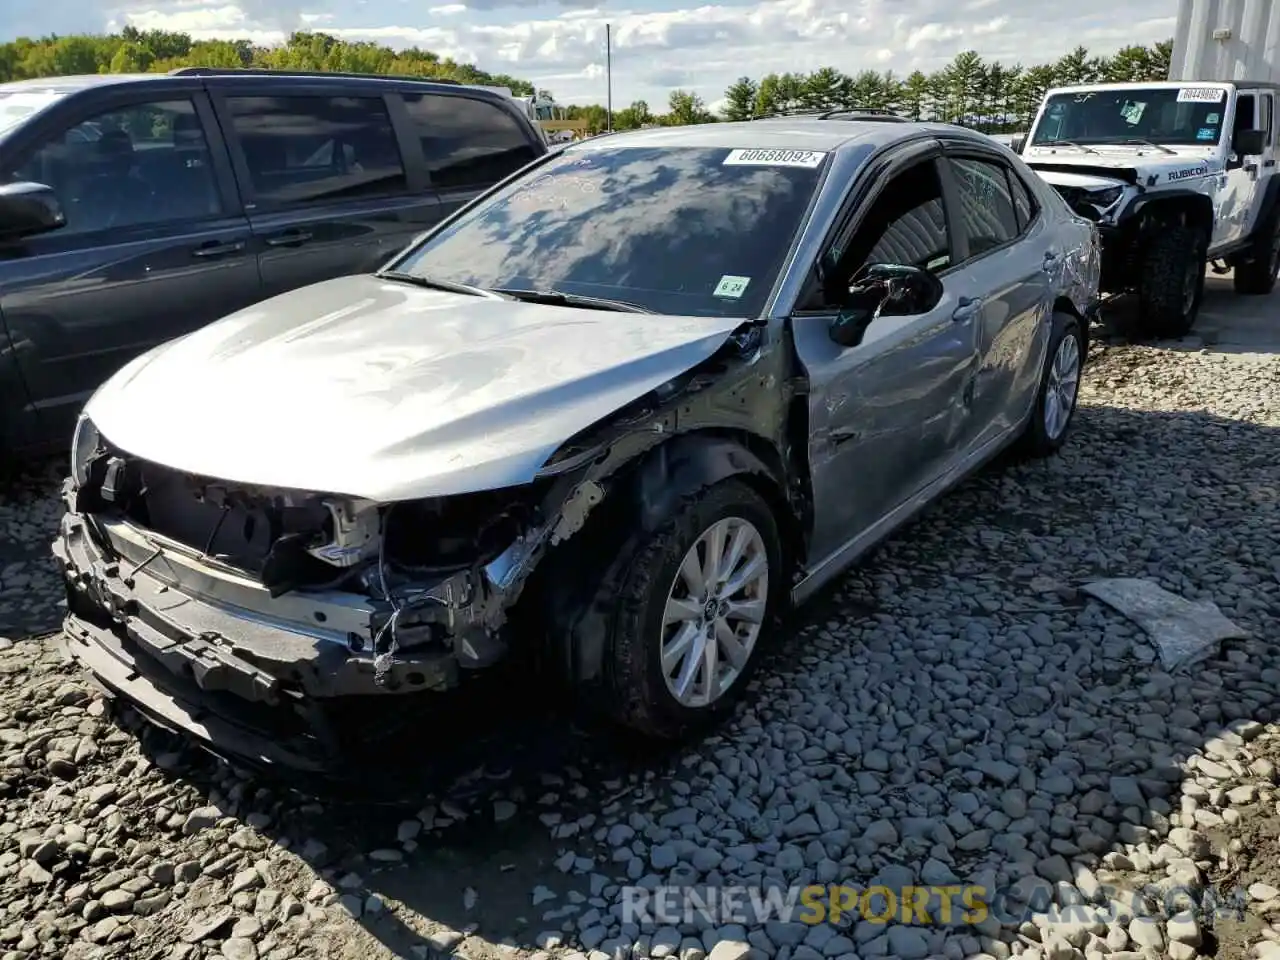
[1255, 860]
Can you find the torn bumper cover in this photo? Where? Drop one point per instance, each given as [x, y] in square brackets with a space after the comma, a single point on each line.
[240, 674]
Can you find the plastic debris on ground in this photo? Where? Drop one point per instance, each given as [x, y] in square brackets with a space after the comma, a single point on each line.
[1185, 632]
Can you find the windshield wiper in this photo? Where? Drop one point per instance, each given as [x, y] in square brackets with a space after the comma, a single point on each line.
[449, 285]
[560, 299]
[1148, 143]
[1064, 143]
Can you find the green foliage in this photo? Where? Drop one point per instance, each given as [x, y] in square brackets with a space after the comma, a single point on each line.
[991, 96]
[157, 51]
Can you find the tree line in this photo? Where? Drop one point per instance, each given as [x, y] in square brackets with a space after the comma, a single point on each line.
[158, 51]
[990, 96]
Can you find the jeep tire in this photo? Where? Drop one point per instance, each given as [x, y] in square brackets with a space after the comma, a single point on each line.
[1257, 275]
[1171, 281]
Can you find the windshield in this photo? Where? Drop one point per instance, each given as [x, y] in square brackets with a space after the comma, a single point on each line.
[694, 231]
[1178, 116]
[17, 106]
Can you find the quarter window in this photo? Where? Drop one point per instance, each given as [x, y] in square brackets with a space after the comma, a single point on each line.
[467, 142]
[312, 149]
[987, 215]
[133, 166]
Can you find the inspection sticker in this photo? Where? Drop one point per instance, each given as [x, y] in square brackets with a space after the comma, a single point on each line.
[1200, 94]
[775, 158]
[731, 287]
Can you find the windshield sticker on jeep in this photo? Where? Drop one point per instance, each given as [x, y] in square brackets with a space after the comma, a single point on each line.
[1199, 171]
[809, 159]
[1206, 133]
[1200, 95]
[731, 287]
[1212, 118]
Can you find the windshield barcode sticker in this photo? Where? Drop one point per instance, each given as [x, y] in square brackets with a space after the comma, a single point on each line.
[775, 158]
[731, 287]
[1200, 94]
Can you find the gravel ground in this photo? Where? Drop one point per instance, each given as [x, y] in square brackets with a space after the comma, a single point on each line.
[954, 711]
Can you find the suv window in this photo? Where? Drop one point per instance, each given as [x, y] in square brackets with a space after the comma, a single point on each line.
[143, 164]
[467, 142]
[987, 214]
[305, 149]
[1244, 114]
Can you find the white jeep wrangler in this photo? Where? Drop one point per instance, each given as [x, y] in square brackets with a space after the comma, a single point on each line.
[1175, 175]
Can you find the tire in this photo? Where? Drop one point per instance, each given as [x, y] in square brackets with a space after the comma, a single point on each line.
[1171, 283]
[1257, 277]
[633, 594]
[1045, 433]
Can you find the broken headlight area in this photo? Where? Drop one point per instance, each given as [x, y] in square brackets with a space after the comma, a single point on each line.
[373, 578]
[1095, 204]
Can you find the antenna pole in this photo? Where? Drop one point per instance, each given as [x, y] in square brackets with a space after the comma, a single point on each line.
[608, 76]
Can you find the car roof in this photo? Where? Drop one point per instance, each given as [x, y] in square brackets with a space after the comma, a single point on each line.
[79, 82]
[74, 82]
[780, 133]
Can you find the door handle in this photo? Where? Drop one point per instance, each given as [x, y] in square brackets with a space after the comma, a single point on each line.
[290, 238]
[968, 309]
[218, 249]
[1268, 163]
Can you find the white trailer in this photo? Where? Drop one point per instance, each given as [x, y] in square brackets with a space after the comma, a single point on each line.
[1227, 40]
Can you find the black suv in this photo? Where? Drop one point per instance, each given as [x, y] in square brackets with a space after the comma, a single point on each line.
[137, 208]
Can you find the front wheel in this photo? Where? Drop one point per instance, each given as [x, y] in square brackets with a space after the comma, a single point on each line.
[1055, 405]
[693, 603]
[1172, 281]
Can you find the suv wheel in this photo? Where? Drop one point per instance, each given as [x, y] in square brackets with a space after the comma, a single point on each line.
[1172, 281]
[1055, 406]
[692, 603]
[1258, 276]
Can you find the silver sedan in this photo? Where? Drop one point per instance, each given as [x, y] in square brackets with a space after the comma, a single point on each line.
[611, 418]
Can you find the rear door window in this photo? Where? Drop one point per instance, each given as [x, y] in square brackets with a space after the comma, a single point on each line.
[987, 214]
[312, 149]
[468, 142]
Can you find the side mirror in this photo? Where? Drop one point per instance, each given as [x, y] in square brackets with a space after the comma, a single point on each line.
[1249, 143]
[883, 290]
[27, 209]
[1017, 143]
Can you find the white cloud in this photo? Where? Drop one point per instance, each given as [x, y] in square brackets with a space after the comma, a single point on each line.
[657, 45]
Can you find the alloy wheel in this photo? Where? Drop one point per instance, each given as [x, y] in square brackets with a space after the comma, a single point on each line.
[714, 612]
[1062, 387]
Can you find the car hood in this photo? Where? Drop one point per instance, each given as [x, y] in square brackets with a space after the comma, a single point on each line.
[1147, 168]
[378, 389]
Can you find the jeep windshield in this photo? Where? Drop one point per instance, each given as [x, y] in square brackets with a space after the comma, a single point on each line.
[1166, 116]
[677, 230]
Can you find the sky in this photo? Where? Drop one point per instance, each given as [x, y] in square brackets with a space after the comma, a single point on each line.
[658, 45]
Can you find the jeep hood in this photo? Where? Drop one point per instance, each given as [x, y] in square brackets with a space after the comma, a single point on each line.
[381, 390]
[1146, 168]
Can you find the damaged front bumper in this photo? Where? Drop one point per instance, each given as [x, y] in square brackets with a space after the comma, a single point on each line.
[286, 681]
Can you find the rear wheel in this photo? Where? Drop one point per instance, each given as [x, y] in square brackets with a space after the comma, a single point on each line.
[1258, 276]
[1172, 281]
[1055, 406]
